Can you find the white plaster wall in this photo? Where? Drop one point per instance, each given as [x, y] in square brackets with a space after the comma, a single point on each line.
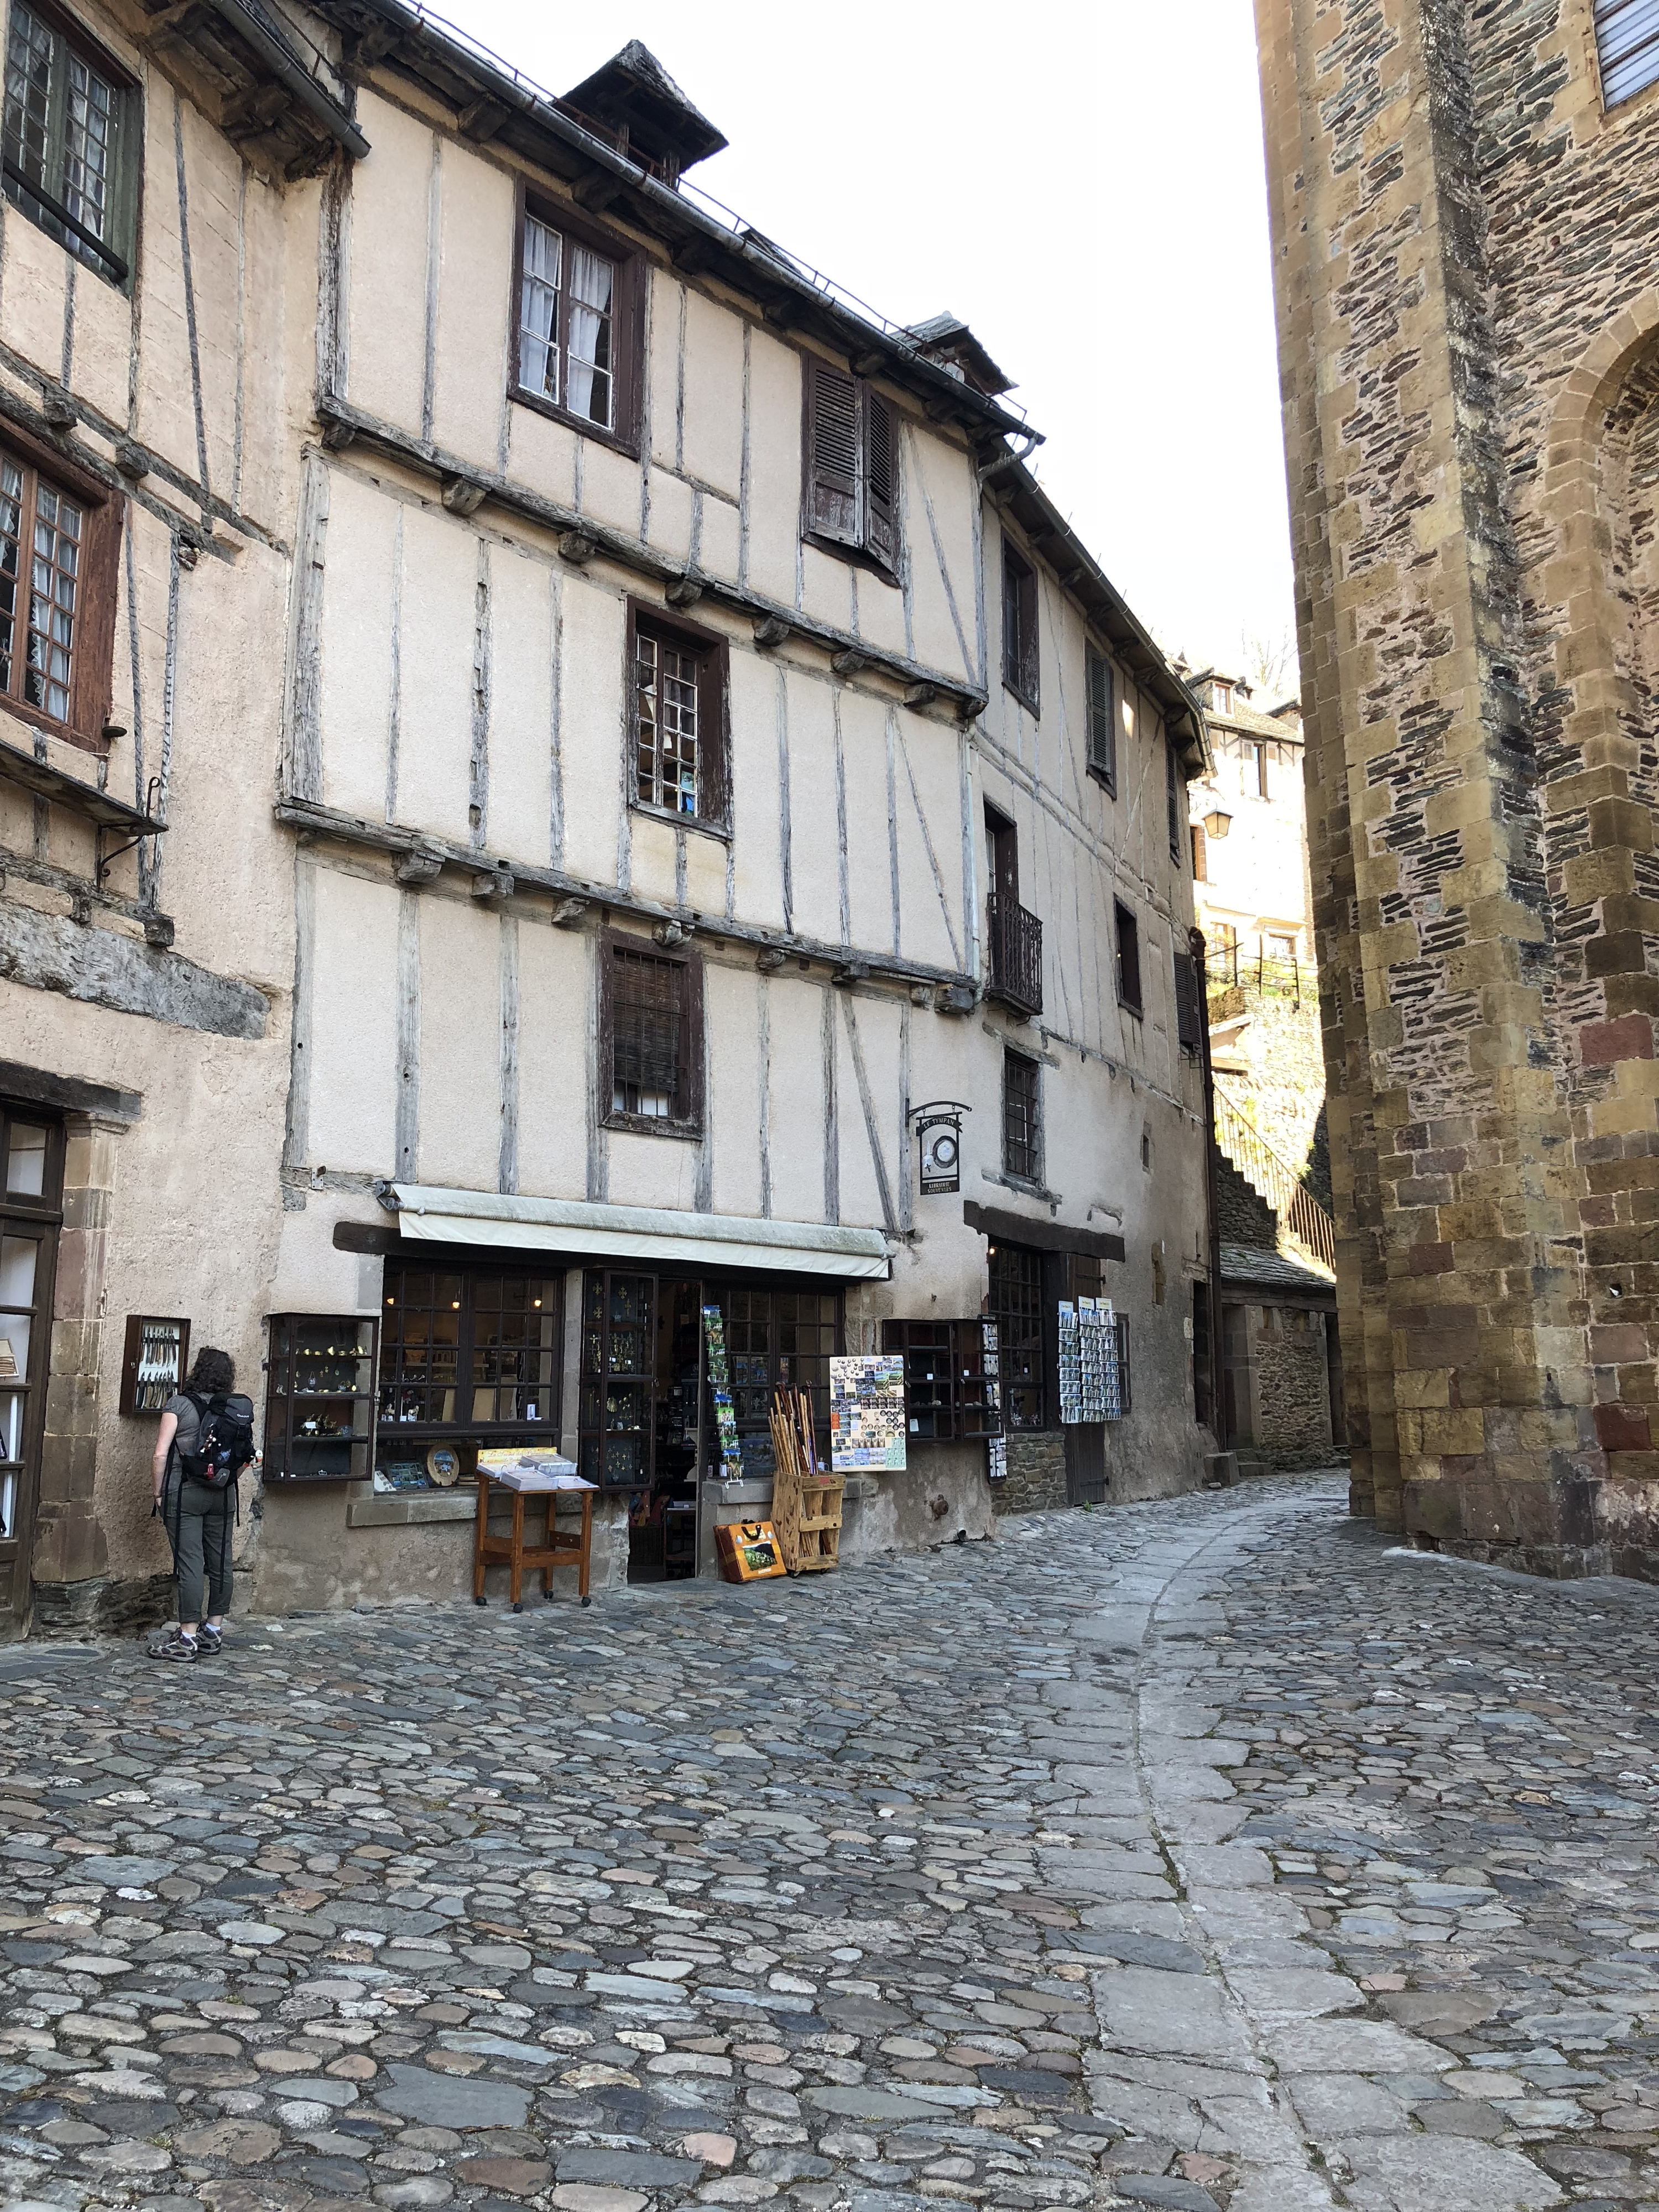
[712, 443]
[590, 725]
[386, 315]
[360, 587]
[795, 1090]
[460, 1043]
[522, 591]
[354, 1078]
[554, 998]
[774, 464]
[440, 587]
[475, 282]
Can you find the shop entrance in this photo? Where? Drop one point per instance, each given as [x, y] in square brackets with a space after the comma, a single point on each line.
[648, 1427]
[31, 1199]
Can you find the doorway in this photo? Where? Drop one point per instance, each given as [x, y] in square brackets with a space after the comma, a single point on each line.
[648, 1428]
[31, 1203]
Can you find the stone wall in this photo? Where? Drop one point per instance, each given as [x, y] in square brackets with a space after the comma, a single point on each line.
[1245, 1215]
[1470, 412]
[1037, 1474]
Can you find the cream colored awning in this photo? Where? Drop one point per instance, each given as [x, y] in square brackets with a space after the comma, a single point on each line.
[430, 1215]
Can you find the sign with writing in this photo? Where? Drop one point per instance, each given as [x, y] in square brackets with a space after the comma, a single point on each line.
[867, 1413]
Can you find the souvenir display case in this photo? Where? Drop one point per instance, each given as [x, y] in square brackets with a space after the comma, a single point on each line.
[154, 1362]
[320, 1398]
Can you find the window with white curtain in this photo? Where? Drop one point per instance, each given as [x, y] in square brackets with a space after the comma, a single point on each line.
[568, 325]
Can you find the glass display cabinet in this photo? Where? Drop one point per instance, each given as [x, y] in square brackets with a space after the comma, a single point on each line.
[320, 1398]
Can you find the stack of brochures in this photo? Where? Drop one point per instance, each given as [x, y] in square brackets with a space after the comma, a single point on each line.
[530, 1469]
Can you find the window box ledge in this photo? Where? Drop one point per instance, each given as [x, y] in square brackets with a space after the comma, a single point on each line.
[698, 823]
[654, 1125]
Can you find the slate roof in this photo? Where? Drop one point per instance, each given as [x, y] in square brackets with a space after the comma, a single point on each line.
[1270, 1271]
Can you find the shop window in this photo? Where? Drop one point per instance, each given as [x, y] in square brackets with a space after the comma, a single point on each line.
[578, 347]
[477, 1351]
[651, 1037]
[852, 468]
[779, 1341]
[952, 1380]
[72, 128]
[32, 1152]
[1101, 694]
[1019, 626]
[1016, 1306]
[678, 703]
[1022, 1117]
[59, 552]
[1127, 930]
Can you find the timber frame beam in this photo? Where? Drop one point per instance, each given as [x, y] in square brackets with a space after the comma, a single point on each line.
[345, 426]
[574, 900]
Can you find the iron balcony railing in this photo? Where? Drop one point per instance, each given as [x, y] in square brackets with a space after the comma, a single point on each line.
[1275, 973]
[1015, 956]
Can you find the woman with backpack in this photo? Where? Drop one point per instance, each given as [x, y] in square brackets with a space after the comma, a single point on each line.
[205, 1439]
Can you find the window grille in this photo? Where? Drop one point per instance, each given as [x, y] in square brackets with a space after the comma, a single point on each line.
[1022, 1128]
[1016, 1304]
[646, 1016]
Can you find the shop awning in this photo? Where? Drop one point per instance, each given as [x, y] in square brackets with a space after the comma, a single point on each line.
[430, 1215]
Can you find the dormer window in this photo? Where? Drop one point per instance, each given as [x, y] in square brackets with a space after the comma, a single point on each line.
[1221, 698]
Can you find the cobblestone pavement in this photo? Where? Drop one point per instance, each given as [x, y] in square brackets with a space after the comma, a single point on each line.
[1196, 1855]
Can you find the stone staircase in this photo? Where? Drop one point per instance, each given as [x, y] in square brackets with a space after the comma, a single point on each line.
[1303, 1223]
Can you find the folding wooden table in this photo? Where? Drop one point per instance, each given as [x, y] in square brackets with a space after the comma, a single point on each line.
[557, 1548]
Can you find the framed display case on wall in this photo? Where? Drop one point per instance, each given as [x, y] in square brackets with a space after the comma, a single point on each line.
[154, 1363]
[320, 1398]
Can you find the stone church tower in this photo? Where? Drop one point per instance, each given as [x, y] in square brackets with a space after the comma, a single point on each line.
[1464, 207]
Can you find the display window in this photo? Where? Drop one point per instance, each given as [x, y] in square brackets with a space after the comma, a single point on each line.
[474, 1351]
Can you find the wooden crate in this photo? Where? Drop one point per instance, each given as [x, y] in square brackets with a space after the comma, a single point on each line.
[820, 1525]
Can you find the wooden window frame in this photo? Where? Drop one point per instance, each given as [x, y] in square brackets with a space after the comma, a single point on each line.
[1032, 1175]
[1255, 753]
[627, 320]
[1101, 729]
[1022, 654]
[1131, 1002]
[1038, 1383]
[92, 668]
[686, 1123]
[713, 654]
[437, 1261]
[127, 135]
[877, 422]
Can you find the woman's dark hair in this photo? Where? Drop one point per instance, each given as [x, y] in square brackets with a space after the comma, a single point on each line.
[212, 1372]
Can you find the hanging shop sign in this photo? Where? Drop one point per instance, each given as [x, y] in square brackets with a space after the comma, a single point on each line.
[938, 1126]
[867, 1413]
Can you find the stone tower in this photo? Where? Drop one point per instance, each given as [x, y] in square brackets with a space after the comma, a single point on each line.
[1465, 202]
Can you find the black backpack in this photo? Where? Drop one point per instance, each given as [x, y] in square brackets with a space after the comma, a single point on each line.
[224, 1440]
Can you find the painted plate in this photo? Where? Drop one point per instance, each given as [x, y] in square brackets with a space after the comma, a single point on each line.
[443, 1464]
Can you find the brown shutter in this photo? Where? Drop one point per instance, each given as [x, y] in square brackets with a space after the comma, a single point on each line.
[713, 739]
[1186, 1007]
[832, 454]
[1102, 709]
[646, 1021]
[881, 467]
[1200, 855]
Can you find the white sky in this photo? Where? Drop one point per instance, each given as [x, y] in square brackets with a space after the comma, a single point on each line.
[1081, 180]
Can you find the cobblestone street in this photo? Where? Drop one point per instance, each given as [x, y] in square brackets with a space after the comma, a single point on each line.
[1197, 1855]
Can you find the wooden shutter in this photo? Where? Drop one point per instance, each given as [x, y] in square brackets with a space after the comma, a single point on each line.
[714, 738]
[1187, 1015]
[1101, 711]
[833, 501]
[881, 467]
[1200, 855]
[1175, 789]
[646, 1021]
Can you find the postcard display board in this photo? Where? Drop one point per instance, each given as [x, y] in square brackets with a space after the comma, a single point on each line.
[1089, 1383]
[867, 1413]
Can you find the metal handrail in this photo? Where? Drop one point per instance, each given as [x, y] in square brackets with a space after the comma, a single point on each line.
[1302, 1219]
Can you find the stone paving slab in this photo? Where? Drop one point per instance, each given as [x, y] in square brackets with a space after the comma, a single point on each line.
[1248, 1867]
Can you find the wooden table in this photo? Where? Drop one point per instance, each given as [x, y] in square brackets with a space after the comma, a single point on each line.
[556, 1549]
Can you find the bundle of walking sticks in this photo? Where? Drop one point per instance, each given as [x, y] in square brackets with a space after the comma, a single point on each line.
[807, 1495]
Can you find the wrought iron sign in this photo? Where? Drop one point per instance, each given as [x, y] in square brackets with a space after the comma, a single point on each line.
[939, 1128]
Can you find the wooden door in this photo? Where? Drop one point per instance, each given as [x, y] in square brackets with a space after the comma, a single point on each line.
[31, 1152]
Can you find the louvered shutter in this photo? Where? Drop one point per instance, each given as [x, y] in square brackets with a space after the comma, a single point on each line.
[833, 502]
[646, 1023]
[1200, 855]
[1103, 747]
[881, 466]
[1626, 46]
[1186, 1007]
